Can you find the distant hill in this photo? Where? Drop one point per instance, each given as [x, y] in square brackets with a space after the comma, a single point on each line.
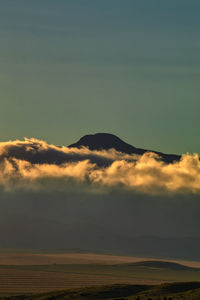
[157, 264]
[105, 141]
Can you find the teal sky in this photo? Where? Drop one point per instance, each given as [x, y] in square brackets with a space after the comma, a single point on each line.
[129, 67]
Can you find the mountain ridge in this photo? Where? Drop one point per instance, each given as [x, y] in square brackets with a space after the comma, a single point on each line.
[106, 141]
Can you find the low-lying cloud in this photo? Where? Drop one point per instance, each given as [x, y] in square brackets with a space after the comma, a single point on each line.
[35, 164]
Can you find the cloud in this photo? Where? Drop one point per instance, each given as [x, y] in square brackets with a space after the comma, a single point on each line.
[35, 164]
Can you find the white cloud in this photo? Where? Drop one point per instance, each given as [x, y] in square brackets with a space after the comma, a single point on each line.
[36, 164]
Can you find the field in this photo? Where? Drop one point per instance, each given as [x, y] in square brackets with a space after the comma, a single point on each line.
[25, 272]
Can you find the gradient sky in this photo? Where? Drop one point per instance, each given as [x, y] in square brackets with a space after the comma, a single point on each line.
[129, 67]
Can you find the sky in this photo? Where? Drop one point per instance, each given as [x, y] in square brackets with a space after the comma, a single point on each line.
[129, 67]
[75, 67]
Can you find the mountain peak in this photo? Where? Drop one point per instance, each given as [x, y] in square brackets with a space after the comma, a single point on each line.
[101, 137]
[106, 141]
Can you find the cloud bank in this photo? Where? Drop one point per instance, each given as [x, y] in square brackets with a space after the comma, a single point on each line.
[35, 164]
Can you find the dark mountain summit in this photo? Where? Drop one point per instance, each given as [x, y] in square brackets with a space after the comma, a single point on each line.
[105, 141]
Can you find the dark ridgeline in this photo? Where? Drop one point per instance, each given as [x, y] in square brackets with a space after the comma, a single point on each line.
[166, 291]
[105, 141]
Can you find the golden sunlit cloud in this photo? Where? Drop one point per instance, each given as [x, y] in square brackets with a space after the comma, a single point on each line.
[36, 164]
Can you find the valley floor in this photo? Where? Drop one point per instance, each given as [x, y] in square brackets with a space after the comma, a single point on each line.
[32, 272]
